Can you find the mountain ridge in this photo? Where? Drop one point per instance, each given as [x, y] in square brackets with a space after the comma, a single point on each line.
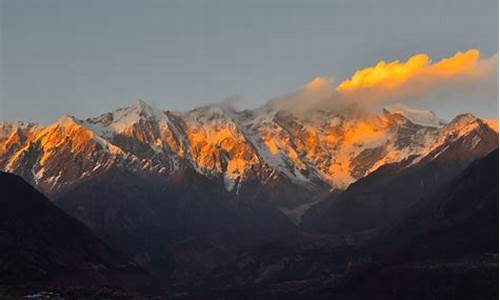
[322, 151]
[41, 242]
[161, 186]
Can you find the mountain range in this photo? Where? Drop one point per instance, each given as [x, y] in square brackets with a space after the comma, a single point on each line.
[443, 247]
[313, 152]
[182, 194]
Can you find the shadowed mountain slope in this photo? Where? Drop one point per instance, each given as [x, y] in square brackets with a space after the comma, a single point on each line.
[38, 241]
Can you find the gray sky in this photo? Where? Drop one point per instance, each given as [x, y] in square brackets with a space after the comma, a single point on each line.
[88, 57]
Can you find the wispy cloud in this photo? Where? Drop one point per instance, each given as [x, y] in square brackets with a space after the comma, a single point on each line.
[417, 76]
[395, 81]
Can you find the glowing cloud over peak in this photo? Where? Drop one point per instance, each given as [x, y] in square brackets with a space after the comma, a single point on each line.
[388, 76]
[460, 63]
[460, 78]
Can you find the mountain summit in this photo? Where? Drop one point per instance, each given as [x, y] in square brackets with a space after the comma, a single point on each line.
[416, 116]
[161, 185]
[321, 151]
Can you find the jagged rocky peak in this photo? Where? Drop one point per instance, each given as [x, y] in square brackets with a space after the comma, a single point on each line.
[218, 144]
[146, 110]
[124, 117]
[321, 148]
[463, 124]
[463, 119]
[70, 128]
[7, 127]
[68, 119]
[14, 133]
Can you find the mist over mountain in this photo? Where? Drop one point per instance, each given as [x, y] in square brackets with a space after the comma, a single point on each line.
[305, 196]
[286, 150]
[182, 194]
[324, 148]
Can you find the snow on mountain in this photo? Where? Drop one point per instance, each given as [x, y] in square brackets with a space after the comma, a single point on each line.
[218, 146]
[145, 132]
[122, 119]
[493, 124]
[258, 147]
[424, 118]
[336, 147]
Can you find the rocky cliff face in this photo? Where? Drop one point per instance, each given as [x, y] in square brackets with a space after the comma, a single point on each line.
[161, 186]
[382, 196]
[274, 153]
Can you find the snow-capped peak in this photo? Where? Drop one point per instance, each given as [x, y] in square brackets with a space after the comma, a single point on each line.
[67, 120]
[146, 109]
[123, 118]
[462, 124]
[140, 109]
[424, 118]
[334, 147]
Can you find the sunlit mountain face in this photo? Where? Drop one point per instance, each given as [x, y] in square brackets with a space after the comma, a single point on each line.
[320, 151]
[316, 145]
[193, 197]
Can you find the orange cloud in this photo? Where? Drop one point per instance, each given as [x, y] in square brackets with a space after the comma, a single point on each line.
[457, 78]
[395, 74]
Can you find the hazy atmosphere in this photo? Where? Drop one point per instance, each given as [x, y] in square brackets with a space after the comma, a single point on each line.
[87, 57]
[229, 150]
